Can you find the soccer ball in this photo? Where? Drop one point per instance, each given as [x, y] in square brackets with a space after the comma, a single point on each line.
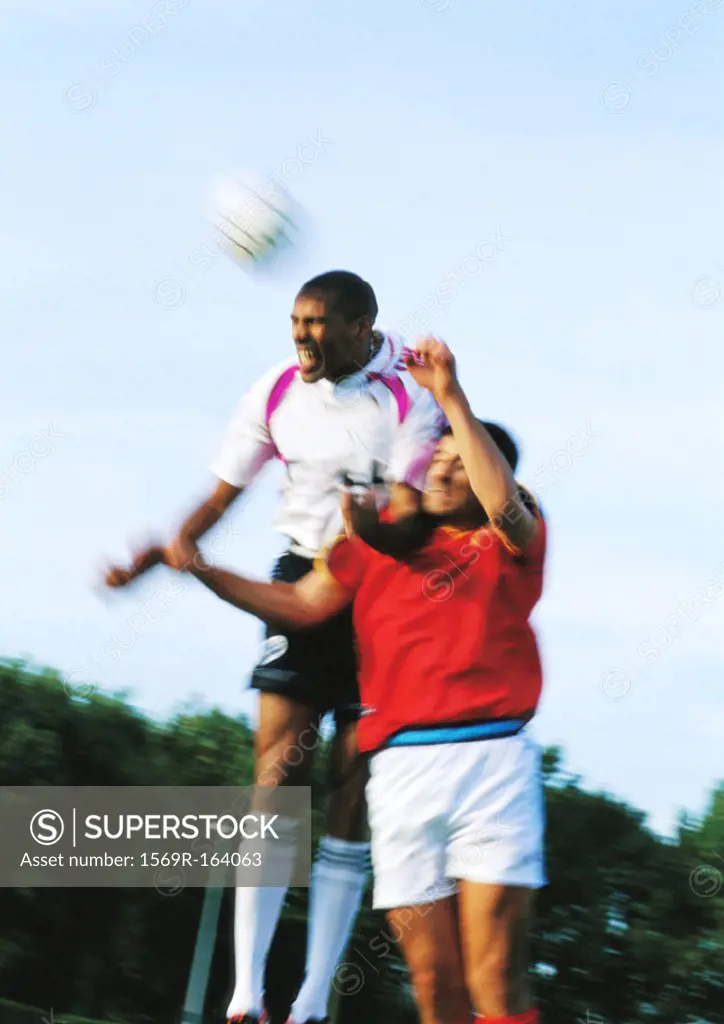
[254, 219]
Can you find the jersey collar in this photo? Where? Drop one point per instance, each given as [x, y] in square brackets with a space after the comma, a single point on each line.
[382, 362]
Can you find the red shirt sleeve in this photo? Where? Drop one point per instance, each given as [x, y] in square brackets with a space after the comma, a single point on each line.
[534, 554]
[346, 562]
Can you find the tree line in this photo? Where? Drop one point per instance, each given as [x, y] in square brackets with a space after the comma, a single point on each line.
[630, 928]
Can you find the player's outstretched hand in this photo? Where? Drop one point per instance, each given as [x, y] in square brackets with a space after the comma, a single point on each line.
[432, 366]
[144, 559]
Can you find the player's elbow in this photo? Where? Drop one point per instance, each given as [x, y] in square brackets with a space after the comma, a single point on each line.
[500, 500]
[307, 615]
[303, 612]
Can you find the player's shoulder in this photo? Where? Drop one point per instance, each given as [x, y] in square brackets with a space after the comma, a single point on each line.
[394, 354]
[391, 357]
[286, 370]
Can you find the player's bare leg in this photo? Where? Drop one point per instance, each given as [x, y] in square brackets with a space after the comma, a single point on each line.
[339, 875]
[429, 936]
[287, 737]
[495, 923]
[346, 781]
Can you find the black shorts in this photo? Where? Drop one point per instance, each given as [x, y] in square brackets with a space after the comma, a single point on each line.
[317, 666]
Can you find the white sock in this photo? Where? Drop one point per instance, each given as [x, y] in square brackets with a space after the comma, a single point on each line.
[256, 915]
[339, 879]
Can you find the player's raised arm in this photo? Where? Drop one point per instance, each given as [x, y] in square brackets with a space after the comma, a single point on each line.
[490, 475]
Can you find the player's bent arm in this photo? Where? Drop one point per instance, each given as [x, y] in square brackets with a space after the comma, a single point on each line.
[313, 599]
[209, 512]
[490, 475]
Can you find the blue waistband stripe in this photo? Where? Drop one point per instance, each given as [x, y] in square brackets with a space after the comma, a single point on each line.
[456, 733]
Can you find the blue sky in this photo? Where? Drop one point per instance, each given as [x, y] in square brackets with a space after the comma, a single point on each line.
[588, 145]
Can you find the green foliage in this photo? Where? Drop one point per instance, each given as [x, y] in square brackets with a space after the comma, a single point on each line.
[631, 927]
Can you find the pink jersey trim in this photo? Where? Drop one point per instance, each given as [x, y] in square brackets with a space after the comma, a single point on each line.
[278, 391]
[398, 389]
[273, 402]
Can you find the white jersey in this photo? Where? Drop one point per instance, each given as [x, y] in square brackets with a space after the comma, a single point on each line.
[375, 421]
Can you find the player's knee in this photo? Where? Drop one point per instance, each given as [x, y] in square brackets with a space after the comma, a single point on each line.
[278, 773]
[281, 763]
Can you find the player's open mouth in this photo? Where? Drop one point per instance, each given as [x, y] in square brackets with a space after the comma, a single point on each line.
[310, 359]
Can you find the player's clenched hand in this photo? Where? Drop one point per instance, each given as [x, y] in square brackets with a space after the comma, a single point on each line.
[432, 366]
[143, 560]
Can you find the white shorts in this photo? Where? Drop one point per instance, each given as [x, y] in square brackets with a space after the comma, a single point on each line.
[450, 811]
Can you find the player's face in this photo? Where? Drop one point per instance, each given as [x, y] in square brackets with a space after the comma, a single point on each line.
[447, 488]
[327, 344]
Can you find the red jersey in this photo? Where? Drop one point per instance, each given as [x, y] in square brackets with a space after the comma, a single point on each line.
[443, 638]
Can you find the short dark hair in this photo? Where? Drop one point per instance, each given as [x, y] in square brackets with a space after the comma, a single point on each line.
[508, 448]
[347, 292]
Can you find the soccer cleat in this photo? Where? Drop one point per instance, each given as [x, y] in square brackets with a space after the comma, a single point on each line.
[309, 1020]
[249, 1018]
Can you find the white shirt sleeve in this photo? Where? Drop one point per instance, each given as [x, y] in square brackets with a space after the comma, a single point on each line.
[247, 445]
[416, 438]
